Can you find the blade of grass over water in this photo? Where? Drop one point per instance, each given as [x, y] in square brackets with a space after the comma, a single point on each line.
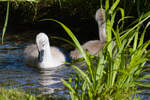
[68, 85]
[59, 38]
[6, 22]
[137, 25]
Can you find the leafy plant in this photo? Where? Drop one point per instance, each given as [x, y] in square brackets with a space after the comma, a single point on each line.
[117, 72]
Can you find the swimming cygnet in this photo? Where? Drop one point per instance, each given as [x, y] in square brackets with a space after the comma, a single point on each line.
[93, 46]
[41, 55]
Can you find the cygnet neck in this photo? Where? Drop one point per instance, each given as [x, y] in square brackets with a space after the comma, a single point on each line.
[45, 56]
[101, 20]
[102, 32]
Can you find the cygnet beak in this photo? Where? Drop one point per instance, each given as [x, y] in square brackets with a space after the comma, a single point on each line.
[41, 54]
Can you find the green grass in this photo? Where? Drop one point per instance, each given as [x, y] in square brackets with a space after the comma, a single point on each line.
[18, 94]
[14, 94]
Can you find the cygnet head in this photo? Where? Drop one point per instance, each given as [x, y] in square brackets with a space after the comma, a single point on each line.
[100, 16]
[48, 56]
[42, 41]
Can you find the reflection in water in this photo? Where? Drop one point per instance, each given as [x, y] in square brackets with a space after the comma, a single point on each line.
[13, 73]
[50, 79]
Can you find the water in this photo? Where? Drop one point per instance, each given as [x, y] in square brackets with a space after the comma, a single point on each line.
[14, 74]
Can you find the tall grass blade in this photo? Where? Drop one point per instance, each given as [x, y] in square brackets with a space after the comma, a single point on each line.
[131, 29]
[60, 3]
[143, 34]
[106, 5]
[99, 73]
[142, 17]
[72, 91]
[113, 7]
[83, 75]
[135, 40]
[68, 85]
[100, 67]
[137, 56]
[130, 39]
[109, 36]
[101, 3]
[117, 36]
[6, 22]
[122, 18]
[63, 39]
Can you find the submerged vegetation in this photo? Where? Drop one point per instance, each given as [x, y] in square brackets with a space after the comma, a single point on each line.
[116, 73]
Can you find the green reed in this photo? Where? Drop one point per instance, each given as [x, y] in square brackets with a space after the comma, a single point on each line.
[116, 73]
[6, 22]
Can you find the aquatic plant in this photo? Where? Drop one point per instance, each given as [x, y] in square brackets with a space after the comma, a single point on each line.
[117, 72]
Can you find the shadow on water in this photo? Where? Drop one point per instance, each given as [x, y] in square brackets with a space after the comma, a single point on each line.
[14, 74]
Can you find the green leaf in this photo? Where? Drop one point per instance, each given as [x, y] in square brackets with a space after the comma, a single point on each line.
[69, 86]
[143, 34]
[100, 67]
[83, 75]
[143, 77]
[107, 5]
[137, 25]
[63, 39]
[135, 40]
[113, 7]
[117, 36]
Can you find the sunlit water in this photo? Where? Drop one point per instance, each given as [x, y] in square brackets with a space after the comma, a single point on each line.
[14, 74]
